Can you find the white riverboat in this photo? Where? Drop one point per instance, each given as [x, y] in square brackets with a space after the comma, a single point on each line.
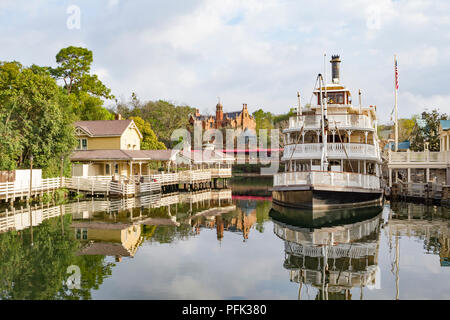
[331, 154]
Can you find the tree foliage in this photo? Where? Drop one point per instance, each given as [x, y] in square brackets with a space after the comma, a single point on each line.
[35, 118]
[164, 117]
[86, 90]
[428, 133]
[37, 115]
[149, 140]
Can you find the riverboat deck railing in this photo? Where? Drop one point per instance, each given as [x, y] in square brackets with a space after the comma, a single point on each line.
[334, 150]
[327, 178]
[341, 121]
[336, 279]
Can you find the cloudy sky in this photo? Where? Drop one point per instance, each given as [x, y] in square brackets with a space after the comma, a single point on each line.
[259, 52]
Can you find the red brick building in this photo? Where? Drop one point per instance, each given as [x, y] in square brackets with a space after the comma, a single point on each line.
[235, 120]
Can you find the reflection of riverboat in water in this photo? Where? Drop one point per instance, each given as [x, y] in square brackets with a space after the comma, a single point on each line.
[334, 257]
[331, 153]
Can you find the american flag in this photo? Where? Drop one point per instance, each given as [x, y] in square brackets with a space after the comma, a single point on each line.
[396, 75]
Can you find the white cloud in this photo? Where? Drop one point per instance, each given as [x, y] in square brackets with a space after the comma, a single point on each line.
[254, 52]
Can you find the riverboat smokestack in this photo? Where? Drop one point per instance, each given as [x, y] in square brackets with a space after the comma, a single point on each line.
[335, 66]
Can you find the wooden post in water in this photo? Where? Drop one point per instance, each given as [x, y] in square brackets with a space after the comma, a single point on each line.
[61, 184]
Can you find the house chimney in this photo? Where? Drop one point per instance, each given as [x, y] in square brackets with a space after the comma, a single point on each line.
[118, 116]
[245, 106]
[335, 62]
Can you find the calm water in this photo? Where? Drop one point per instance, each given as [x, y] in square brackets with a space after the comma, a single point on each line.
[209, 245]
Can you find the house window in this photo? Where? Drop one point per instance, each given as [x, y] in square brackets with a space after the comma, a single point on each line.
[116, 168]
[107, 169]
[82, 234]
[82, 144]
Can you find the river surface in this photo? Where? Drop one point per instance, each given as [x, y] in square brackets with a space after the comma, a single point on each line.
[216, 245]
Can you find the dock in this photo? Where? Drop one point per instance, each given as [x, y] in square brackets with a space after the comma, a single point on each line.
[429, 193]
[121, 187]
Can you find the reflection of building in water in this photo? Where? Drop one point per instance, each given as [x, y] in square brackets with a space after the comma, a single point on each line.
[113, 227]
[108, 239]
[239, 220]
[423, 222]
[332, 259]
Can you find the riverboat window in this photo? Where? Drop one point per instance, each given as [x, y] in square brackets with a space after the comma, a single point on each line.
[335, 97]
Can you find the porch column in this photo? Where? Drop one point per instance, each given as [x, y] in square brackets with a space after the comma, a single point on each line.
[140, 168]
[409, 175]
[365, 167]
[390, 177]
[428, 174]
[130, 173]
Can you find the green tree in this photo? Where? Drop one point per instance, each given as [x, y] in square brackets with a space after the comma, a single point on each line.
[429, 133]
[74, 65]
[149, 140]
[405, 128]
[36, 119]
[264, 120]
[164, 117]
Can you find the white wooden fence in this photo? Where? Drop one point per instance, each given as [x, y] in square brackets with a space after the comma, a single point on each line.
[106, 185]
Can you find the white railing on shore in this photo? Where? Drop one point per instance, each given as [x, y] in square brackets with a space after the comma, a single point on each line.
[327, 178]
[220, 172]
[193, 176]
[11, 190]
[421, 156]
[106, 185]
[341, 121]
[334, 150]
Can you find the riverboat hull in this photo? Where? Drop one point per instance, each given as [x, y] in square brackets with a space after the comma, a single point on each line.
[323, 199]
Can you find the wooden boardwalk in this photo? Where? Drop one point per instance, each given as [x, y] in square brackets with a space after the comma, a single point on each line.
[420, 192]
[122, 187]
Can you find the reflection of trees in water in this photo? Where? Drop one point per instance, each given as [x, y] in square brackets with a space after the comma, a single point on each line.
[262, 214]
[39, 271]
[169, 234]
[429, 224]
